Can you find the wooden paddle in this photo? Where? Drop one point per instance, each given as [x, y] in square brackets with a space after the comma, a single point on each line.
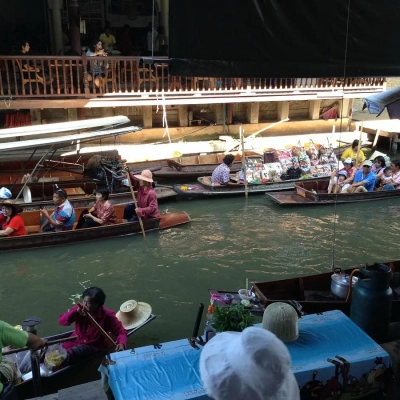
[246, 193]
[135, 202]
[99, 328]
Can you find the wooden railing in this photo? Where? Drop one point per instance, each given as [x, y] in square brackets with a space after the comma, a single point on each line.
[87, 77]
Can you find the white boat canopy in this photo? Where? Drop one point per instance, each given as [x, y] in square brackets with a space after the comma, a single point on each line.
[48, 129]
[60, 141]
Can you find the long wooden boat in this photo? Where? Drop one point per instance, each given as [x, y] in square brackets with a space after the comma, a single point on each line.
[313, 292]
[205, 188]
[315, 192]
[79, 198]
[36, 239]
[195, 166]
[77, 374]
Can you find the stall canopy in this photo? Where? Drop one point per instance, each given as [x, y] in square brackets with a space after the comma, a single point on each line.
[390, 99]
[284, 38]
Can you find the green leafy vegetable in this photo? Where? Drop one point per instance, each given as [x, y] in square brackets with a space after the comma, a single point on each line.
[232, 318]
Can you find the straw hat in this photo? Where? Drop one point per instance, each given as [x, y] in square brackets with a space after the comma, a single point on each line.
[282, 320]
[146, 175]
[17, 209]
[133, 313]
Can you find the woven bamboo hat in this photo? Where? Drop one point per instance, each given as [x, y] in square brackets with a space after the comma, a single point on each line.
[133, 313]
[282, 320]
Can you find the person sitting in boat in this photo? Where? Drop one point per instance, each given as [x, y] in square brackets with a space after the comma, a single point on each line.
[341, 183]
[101, 214]
[10, 336]
[352, 151]
[378, 166]
[221, 174]
[63, 217]
[90, 340]
[395, 184]
[146, 198]
[364, 179]
[11, 222]
[349, 169]
[386, 178]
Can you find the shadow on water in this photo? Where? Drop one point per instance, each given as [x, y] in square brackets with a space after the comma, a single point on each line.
[227, 241]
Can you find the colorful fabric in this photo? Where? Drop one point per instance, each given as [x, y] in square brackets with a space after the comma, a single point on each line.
[88, 334]
[221, 174]
[106, 213]
[369, 179]
[10, 336]
[16, 223]
[64, 215]
[348, 153]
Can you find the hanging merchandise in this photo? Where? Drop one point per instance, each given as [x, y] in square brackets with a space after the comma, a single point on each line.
[332, 158]
[285, 158]
[313, 154]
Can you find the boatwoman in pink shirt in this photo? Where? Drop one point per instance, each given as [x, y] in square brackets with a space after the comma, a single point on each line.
[146, 198]
[90, 340]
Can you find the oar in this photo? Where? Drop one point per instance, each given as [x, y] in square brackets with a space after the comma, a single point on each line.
[246, 194]
[99, 328]
[48, 343]
[135, 202]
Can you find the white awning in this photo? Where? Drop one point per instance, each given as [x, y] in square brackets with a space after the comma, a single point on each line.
[68, 140]
[48, 129]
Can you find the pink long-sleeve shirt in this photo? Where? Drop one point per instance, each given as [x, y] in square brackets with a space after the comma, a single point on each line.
[88, 334]
[146, 199]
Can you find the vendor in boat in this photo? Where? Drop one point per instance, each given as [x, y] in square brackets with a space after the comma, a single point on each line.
[221, 174]
[146, 198]
[352, 152]
[350, 171]
[101, 214]
[90, 340]
[9, 336]
[63, 217]
[364, 180]
[11, 222]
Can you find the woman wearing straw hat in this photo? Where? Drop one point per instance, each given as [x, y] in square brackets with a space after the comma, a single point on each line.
[146, 198]
[11, 222]
[90, 340]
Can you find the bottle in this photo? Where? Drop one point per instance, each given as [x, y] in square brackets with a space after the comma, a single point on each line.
[209, 330]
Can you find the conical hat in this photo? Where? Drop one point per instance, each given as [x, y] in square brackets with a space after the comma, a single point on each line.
[133, 313]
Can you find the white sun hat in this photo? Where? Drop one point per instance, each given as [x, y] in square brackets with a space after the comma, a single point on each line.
[133, 313]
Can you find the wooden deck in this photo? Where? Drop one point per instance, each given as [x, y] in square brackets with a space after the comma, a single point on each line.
[59, 82]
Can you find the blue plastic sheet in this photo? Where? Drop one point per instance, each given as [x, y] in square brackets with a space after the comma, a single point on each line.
[330, 350]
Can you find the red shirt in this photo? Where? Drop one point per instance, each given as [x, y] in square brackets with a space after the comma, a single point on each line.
[88, 334]
[16, 223]
[146, 199]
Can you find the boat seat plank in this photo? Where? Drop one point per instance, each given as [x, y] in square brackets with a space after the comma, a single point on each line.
[75, 191]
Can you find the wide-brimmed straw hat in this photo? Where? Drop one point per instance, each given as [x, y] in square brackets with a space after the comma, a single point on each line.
[133, 313]
[15, 207]
[146, 175]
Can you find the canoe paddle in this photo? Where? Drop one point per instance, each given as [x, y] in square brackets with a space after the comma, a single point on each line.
[135, 202]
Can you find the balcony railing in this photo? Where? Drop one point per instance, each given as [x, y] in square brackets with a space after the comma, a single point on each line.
[88, 77]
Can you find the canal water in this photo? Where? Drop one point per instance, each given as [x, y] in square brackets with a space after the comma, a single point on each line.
[227, 241]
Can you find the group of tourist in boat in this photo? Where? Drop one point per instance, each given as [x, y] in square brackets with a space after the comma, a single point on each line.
[102, 213]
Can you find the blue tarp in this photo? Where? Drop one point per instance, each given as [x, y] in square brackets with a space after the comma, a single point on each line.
[376, 103]
[171, 370]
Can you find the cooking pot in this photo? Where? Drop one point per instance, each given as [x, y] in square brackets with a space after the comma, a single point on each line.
[340, 283]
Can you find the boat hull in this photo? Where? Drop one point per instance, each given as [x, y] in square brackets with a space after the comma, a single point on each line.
[304, 195]
[313, 293]
[206, 189]
[35, 239]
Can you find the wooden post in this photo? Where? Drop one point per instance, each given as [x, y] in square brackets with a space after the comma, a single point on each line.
[359, 142]
[183, 115]
[147, 116]
[314, 108]
[252, 112]
[246, 194]
[74, 27]
[283, 110]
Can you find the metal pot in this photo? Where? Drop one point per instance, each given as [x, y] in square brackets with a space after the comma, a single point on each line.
[340, 283]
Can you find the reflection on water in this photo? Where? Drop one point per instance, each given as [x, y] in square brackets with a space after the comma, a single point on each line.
[227, 241]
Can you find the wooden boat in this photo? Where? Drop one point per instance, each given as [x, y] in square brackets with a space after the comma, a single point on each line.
[79, 198]
[36, 239]
[315, 192]
[77, 374]
[195, 166]
[314, 295]
[206, 189]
